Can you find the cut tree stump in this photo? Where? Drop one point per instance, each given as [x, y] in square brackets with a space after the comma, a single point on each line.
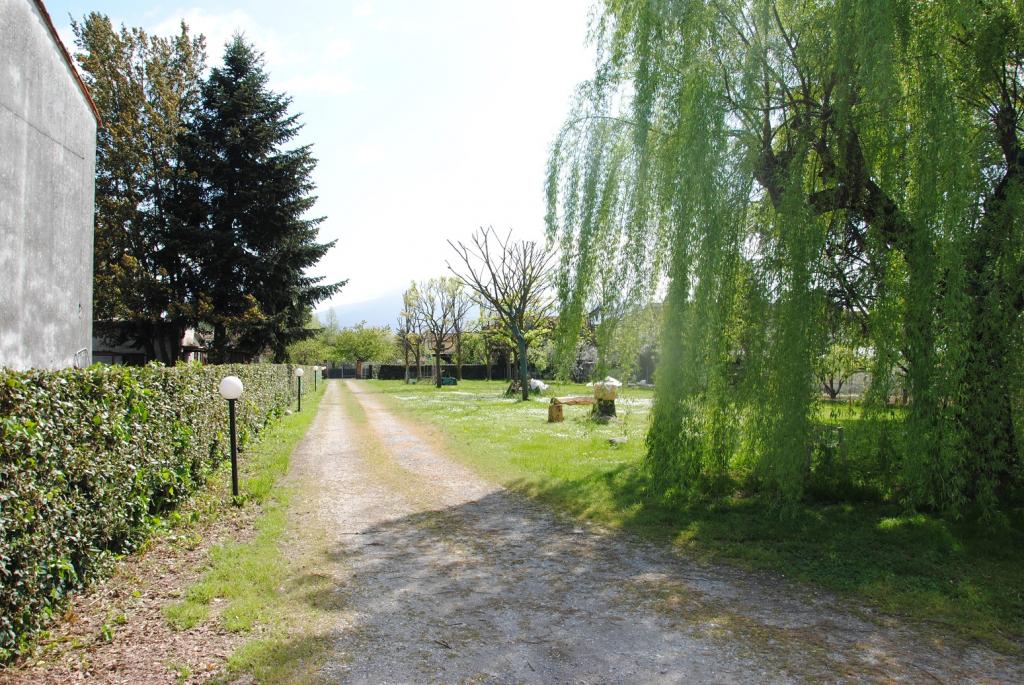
[605, 408]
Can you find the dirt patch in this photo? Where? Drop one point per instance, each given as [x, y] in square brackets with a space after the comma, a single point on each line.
[115, 632]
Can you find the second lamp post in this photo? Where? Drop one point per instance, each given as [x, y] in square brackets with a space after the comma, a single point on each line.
[231, 389]
[299, 373]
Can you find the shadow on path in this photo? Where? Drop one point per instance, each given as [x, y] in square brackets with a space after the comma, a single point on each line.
[446, 578]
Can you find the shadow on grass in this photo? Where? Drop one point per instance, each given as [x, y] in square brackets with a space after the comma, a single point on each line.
[281, 661]
[967, 575]
[301, 639]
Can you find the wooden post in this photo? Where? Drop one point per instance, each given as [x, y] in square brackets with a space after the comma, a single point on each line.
[556, 412]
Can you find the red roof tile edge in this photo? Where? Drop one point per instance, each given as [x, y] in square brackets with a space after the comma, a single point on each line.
[70, 61]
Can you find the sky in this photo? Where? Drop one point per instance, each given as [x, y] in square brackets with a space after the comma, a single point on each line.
[429, 118]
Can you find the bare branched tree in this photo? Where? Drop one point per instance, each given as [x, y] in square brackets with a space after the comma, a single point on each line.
[514, 278]
[410, 329]
[463, 303]
[437, 308]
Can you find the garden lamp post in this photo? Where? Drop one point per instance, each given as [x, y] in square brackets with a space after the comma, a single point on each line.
[316, 370]
[231, 389]
[299, 373]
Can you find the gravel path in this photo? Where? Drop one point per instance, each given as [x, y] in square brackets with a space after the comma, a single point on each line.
[448, 578]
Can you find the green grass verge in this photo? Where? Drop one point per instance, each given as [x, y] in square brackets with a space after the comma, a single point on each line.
[252, 583]
[966, 577]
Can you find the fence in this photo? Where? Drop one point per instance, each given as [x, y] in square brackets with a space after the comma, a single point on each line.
[470, 372]
[396, 372]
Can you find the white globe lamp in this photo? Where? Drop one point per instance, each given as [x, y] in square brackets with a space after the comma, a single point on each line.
[231, 388]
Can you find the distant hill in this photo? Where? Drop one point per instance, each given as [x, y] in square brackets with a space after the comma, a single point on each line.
[380, 311]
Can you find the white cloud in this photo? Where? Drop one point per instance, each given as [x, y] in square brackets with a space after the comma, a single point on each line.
[219, 28]
[429, 118]
[319, 82]
[295, 67]
[369, 154]
[338, 49]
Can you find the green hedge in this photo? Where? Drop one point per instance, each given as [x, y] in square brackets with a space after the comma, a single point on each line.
[89, 457]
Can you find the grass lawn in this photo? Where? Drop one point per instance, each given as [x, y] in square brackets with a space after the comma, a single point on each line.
[963, 576]
[252, 581]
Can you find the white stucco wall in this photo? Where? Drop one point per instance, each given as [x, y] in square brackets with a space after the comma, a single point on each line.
[47, 169]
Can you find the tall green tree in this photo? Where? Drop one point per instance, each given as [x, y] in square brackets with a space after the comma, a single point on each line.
[147, 89]
[317, 347]
[362, 343]
[313, 350]
[247, 202]
[860, 155]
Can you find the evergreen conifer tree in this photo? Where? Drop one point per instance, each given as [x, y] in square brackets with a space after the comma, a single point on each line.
[147, 88]
[246, 204]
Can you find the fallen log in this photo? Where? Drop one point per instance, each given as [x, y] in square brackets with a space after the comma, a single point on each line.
[576, 399]
[556, 411]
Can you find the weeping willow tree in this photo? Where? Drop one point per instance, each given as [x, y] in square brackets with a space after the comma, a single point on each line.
[764, 164]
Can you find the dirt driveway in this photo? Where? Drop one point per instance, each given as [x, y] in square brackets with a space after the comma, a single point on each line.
[448, 578]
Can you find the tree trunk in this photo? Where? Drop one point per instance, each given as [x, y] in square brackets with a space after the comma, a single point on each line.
[217, 350]
[437, 366]
[458, 356]
[987, 410]
[179, 335]
[524, 368]
[487, 360]
[830, 387]
[280, 353]
[165, 352]
[150, 347]
[405, 358]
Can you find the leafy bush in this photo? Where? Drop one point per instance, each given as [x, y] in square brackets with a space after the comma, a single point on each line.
[89, 457]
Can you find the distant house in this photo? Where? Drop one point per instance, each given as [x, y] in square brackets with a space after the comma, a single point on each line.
[112, 344]
[48, 127]
[447, 347]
